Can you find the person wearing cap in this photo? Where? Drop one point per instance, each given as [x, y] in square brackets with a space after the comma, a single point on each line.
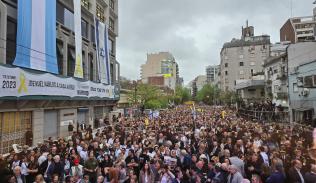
[76, 169]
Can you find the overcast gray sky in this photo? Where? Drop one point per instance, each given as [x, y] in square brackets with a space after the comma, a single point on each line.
[194, 30]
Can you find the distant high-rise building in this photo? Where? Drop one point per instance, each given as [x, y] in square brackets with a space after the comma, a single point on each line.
[243, 58]
[212, 74]
[161, 70]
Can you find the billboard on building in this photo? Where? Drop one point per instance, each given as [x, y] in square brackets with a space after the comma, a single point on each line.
[16, 82]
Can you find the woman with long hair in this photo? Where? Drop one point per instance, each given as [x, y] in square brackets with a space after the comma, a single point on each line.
[146, 176]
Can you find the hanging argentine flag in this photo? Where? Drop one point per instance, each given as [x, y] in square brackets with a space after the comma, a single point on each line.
[103, 58]
[36, 35]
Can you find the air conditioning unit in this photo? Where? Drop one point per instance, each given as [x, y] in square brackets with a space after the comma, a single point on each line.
[305, 92]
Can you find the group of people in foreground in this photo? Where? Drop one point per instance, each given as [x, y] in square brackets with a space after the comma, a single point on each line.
[209, 144]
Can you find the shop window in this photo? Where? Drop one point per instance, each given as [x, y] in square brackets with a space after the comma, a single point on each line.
[13, 129]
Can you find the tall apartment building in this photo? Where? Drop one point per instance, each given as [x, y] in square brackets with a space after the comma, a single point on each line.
[212, 74]
[243, 58]
[161, 70]
[299, 29]
[30, 115]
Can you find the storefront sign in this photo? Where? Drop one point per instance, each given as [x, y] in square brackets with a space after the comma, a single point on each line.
[16, 82]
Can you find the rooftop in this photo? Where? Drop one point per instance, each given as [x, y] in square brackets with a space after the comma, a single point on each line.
[255, 40]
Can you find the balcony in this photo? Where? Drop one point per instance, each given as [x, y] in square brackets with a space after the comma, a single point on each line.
[281, 90]
[249, 83]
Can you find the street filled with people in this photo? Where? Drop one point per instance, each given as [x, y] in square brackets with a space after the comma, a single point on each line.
[188, 144]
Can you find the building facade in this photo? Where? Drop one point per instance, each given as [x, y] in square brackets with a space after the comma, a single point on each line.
[161, 69]
[197, 84]
[276, 75]
[302, 82]
[299, 29]
[212, 74]
[31, 119]
[243, 58]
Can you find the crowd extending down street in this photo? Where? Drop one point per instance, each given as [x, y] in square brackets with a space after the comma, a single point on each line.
[211, 144]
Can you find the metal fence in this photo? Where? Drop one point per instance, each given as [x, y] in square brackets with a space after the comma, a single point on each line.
[265, 116]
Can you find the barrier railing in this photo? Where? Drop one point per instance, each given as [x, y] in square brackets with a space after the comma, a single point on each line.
[265, 116]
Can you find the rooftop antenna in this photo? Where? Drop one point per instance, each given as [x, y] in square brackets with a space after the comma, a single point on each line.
[291, 1]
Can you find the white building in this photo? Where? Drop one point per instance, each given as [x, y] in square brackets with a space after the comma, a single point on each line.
[243, 58]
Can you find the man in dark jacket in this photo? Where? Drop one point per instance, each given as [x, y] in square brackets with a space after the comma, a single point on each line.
[310, 177]
[294, 174]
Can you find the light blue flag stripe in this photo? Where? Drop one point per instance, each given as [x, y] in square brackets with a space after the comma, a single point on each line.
[51, 59]
[23, 51]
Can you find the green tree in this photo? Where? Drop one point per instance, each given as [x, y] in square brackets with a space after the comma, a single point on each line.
[209, 94]
[181, 95]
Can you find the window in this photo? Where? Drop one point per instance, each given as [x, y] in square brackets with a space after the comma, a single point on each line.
[241, 72]
[308, 81]
[241, 56]
[226, 73]
[241, 63]
[252, 63]
[112, 72]
[100, 13]
[251, 72]
[112, 4]
[71, 62]
[69, 19]
[85, 3]
[11, 41]
[295, 88]
[111, 24]
[111, 47]
[84, 28]
[275, 71]
[90, 57]
[92, 35]
[60, 62]
[226, 64]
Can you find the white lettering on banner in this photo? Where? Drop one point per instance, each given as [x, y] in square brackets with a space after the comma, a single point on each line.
[16, 82]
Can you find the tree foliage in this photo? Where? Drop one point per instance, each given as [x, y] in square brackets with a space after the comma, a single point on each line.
[151, 97]
[211, 95]
[181, 95]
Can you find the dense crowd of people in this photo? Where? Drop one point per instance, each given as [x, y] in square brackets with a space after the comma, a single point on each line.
[206, 144]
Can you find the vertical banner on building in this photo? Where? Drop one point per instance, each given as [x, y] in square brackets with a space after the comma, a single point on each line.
[36, 35]
[103, 57]
[78, 39]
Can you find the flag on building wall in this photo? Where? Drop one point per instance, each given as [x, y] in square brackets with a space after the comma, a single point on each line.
[78, 39]
[103, 58]
[36, 35]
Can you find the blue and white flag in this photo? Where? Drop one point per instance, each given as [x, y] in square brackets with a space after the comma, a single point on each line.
[103, 58]
[36, 35]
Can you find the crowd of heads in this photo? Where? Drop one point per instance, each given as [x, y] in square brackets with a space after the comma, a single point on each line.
[209, 144]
